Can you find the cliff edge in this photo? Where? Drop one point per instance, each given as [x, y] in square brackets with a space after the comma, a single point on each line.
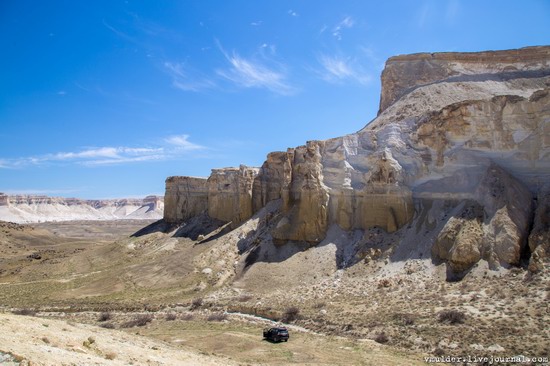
[455, 161]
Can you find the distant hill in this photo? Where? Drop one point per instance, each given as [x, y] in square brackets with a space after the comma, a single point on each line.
[33, 208]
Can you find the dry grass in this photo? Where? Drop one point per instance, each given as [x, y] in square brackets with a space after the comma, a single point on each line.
[140, 320]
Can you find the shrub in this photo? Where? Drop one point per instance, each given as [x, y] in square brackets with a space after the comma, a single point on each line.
[107, 325]
[218, 317]
[196, 303]
[103, 317]
[452, 317]
[171, 316]
[381, 338]
[291, 314]
[139, 321]
[28, 312]
[404, 319]
[110, 356]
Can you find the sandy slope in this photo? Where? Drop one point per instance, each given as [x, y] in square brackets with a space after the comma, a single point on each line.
[48, 342]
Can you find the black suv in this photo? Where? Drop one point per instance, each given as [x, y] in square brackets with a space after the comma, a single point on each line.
[276, 334]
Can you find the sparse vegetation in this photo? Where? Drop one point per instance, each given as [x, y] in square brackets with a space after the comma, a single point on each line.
[187, 317]
[107, 325]
[103, 317]
[404, 319]
[451, 317]
[381, 338]
[110, 356]
[140, 320]
[196, 303]
[27, 312]
[218, 317]
[171, 316]
[291, 314]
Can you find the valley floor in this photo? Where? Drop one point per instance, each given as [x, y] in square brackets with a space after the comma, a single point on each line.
[159, 298]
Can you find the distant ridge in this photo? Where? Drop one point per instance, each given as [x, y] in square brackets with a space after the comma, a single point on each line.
[38, 208]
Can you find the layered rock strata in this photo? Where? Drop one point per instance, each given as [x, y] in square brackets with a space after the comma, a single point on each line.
[226, 196]
[37, 208]
[185, 197]
[230, 194]
[470, 130]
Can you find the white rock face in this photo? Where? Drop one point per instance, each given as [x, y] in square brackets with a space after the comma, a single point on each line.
[28, 209]
[464, 130]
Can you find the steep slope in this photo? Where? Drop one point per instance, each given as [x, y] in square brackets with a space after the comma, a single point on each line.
[27, 209]
[466, 132]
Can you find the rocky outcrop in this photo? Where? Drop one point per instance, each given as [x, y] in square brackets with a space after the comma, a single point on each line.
[493, 224]
[404, 73]
[273, 180]
[469, 131]
[539, 238]
[306, 210]
[461, 240]
[185, 198]
[230, 194]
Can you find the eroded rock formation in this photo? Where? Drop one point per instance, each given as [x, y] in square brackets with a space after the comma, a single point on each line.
[230, 194]
[468, 130]
[185, 197]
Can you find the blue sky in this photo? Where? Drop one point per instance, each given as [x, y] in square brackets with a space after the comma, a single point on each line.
[102, 99]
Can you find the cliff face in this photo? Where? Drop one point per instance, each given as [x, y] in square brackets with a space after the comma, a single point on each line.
[226, 195]
[230, 194]
[404, 73]
[37, 208]
[185, 197]
[466, 131]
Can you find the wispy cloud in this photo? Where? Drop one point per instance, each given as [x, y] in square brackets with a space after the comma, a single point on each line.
[452, 11]
[347, 22]
[424, 13]
[120, 33]
[182, 142]
[256, 23]
[186, 79]
[173, 147]
[250, 73]
[337, 69]
[292, 13]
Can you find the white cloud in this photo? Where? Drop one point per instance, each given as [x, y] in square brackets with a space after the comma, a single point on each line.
[256, 23]
[185, 79]
[347, 22]
[337, 69]
[173, 147]
[292, 13]
[182, 142]
[254, 74]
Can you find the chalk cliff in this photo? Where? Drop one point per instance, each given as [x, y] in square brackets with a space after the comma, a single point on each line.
[37, 208]
[468, 130]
